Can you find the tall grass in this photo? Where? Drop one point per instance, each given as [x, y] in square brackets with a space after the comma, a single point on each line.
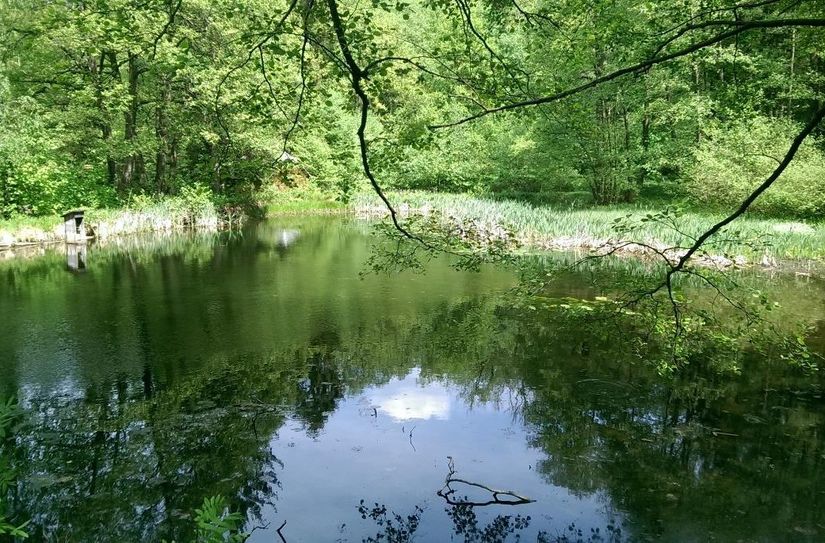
[560, 227]
[287, 207]
[298, 200]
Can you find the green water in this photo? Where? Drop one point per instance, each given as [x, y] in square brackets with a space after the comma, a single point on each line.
[262, 367]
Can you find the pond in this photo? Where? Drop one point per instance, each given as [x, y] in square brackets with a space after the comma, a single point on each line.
[266, 368]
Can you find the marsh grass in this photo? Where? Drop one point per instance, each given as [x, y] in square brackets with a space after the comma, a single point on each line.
[557, 227]
[19, 222]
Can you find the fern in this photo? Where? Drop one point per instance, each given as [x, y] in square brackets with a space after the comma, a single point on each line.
[216, 524]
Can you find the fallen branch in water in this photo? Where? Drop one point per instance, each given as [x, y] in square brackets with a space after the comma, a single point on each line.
[447, 491]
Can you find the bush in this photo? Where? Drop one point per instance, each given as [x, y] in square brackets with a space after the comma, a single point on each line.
[50, 187]
[37, 175]
[732, 161]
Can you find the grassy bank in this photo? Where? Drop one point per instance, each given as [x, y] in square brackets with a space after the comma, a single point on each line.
[549, 227]
[538, 227]
[298, 207]
[298, 201]
[192, 210]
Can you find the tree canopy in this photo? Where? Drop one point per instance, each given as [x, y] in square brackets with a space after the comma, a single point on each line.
[105, 99]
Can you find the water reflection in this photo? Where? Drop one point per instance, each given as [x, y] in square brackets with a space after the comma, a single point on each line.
[76, 257]
[286, 383]
[287, 237]
[406, 400]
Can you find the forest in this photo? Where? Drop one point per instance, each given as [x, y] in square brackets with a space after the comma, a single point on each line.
[110, 103]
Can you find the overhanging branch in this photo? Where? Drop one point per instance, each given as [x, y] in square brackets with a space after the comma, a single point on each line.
[738, 28]
[817, 117]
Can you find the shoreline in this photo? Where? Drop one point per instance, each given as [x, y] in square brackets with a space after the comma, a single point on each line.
[796, 246]
[41, 232]
[537, 229]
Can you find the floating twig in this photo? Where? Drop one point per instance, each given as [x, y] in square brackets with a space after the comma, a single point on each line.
[447, 492]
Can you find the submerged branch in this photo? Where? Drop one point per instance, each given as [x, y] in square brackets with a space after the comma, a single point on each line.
[447, 492]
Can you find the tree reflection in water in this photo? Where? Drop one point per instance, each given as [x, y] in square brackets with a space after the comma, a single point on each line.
[169, 394]
[396, 528]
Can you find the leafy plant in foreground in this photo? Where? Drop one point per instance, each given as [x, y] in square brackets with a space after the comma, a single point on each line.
[216, 524]
[8, 416]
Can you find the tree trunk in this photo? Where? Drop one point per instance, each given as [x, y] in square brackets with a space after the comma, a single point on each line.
[133, 166]
[791, 75]
[697, 81]
[105, 128]
[162, 132]
[645, 136]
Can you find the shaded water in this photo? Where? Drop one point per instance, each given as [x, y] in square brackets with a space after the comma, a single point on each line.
[262, 368]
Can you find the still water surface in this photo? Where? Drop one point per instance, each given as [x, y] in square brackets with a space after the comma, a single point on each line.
[262, 367]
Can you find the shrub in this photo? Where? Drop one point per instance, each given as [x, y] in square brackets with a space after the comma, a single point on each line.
[733, 160]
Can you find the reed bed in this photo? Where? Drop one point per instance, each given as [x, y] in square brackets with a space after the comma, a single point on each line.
[556, 227]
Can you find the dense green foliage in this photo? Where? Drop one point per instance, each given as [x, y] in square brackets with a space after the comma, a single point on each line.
[192, 109]
[105, 99]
